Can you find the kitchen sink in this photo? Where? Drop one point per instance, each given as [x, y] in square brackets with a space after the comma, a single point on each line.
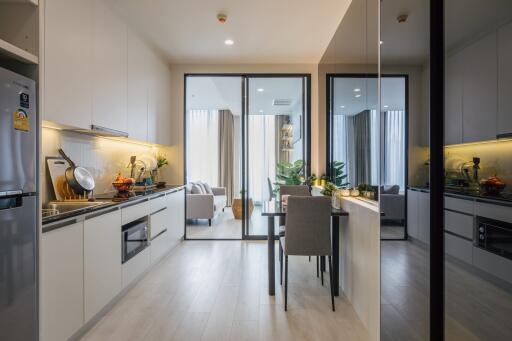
[60, 207]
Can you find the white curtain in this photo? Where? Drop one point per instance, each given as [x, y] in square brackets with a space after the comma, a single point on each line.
[262, 155]
[203, 146]
[394, 148]
[340, 148]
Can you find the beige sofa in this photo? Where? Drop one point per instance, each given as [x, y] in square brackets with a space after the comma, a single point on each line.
[206, 203]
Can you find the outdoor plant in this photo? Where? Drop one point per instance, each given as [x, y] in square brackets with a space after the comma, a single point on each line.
[338, 178]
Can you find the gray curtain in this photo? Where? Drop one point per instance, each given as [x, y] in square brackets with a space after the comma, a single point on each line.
[226, 153]
[362, 148]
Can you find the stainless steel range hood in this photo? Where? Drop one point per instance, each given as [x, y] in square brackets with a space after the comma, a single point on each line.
[100, 131]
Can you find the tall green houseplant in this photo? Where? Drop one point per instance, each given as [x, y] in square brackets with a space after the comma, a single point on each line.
[289, 174]
[338, 176]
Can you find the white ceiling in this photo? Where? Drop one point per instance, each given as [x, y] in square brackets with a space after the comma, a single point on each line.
[346, 103]
[264, 31]
[217, 93]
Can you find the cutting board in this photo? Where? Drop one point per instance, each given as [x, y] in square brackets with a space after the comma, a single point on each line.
[57, 167]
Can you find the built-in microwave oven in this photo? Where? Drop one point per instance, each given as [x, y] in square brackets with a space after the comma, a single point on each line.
[134, 238]
[494, 236]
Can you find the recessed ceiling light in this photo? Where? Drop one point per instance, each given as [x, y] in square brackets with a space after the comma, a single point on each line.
[260, 89]
[229, 42]
[358, 95]
[261, 110]
[357, 90]
[386, 106]
[342, 107]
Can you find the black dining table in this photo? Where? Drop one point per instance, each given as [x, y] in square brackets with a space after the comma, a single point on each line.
[273, 209]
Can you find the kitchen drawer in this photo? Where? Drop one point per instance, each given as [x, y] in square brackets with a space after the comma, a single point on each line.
[158, 222]
[134, 212]
[461, 205]
[157, 203]
[159, 247]
[458, 223]
[459, 248]
[497, 266]
[494, 211]
[135, 267]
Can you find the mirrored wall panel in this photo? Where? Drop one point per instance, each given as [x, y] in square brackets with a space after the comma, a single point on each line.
[404, 161]
[478, 170]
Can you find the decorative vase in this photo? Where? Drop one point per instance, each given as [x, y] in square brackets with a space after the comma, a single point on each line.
[345, 192]
[354, 192]
[236, 207]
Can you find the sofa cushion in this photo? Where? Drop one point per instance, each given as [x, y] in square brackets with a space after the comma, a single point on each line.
[395, 189]
[196, 189]
[207, 188]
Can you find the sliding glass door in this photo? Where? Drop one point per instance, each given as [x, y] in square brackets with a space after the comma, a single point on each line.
[275, 136]
[241, 131]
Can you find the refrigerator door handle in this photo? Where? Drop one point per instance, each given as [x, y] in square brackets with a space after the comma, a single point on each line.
[10, 202]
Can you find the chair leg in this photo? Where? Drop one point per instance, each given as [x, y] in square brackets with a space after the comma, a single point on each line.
[209, 222]
[310, 258]
[317, 267]
[322, 277]
[280, 264]
[285, 283]
[331, 277]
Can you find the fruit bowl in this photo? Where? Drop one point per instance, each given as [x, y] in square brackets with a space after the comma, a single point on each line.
[492, 186]
[122, 187]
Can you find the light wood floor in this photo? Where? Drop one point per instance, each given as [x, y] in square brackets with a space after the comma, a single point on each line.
[218, 291]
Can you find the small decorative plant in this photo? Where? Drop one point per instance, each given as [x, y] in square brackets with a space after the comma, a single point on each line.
[161, 161]
[329, 188]
[312, 180]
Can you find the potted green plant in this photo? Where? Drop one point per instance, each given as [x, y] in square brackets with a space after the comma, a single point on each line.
[323, 180]
[338, 176]
[329, 189]
[161, 161]
[289, 174]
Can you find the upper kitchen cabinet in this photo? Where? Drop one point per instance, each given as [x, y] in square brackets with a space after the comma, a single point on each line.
[138, 88]
[159, 108]
[67, 62]
[109, 61]
[480, 94]
[505, 80]
[453, 100]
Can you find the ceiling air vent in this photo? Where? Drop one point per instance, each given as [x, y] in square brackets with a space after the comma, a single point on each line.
[281, 101]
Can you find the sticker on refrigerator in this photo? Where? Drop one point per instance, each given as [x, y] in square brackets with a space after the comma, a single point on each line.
[24, 100]
[21, 120]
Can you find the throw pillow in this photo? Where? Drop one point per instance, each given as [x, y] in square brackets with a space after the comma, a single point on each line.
[200, 184]
[207, 188]
[196, 189]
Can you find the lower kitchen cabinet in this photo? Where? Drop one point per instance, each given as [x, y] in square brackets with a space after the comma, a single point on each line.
[135, 267]
[458, 247]
[176, 211]
[62, 282]
[102, 261]
[160, 245]
[418, 215]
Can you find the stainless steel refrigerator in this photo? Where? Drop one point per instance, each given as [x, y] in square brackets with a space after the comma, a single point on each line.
[18, 208]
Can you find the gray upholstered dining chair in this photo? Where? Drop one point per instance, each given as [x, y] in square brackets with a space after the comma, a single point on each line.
[297, 190]
[308, 233]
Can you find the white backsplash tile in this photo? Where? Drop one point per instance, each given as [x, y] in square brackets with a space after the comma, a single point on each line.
[103, 157]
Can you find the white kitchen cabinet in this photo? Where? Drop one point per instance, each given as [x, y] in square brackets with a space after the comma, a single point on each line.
[62, 282]
[176, 212]
[68, 73]
[460, 248]
[453, 100]
[480, 97]
[160, 222]
[135, 267]
[459, 224]
[102, 261]
[109, 60]
[418, 215]
[138, 88]
[505, 80]
[159, 108]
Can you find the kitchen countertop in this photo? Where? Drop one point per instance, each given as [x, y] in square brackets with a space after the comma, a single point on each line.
[470, 196]
[108, 203]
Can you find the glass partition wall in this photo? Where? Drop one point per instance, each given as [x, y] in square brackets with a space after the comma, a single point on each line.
[404, 197]
[244, 136]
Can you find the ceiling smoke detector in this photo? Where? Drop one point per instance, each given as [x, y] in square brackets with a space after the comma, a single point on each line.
[402, 18]
[222, 18]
